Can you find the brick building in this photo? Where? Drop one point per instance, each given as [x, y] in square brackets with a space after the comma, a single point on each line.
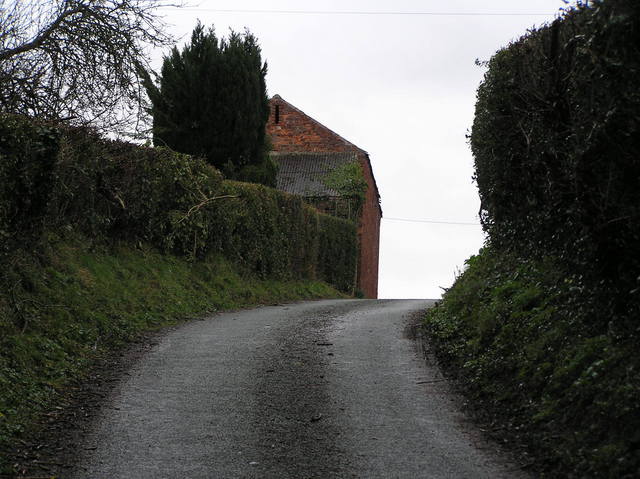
[306, 150]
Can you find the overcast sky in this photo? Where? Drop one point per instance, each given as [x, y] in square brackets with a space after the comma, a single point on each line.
[400, 86]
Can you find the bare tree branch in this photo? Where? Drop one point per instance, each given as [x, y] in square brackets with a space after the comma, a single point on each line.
[41, 38]
[79, 60]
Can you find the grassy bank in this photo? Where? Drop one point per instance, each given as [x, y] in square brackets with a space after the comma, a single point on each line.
[76, 300]
[535, 353]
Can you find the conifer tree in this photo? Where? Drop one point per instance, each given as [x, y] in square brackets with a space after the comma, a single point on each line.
[210, 101]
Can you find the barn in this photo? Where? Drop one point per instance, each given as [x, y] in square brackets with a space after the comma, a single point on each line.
[307, 152]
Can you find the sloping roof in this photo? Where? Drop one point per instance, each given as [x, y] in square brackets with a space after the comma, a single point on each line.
[303, 173]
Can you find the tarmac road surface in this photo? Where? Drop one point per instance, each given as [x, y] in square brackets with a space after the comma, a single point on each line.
[311, 390]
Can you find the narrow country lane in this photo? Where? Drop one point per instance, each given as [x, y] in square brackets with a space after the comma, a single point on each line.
[311, 390]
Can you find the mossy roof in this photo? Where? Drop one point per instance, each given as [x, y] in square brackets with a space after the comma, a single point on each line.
[304, 173]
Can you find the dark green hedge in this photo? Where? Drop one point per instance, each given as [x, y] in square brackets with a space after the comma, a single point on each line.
[542, 327]
[337, 264]
[27, 159]
[556, 142]
[61, 178]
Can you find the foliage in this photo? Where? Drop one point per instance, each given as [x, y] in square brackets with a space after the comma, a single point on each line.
[518, 336]
[556, 142]
[348, 181]
[211, 102]
[111, 190]
[75, 300]
[542, 327]
[27, 158]
[76, 60]
[338, 261]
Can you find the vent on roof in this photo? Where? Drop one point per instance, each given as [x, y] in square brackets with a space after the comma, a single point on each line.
[277, 114]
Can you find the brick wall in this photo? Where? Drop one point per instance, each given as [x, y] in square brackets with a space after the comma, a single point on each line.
[369, 235]
[291, 130]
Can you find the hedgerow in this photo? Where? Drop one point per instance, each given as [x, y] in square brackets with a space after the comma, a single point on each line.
[65, 178]
[514, 333]
[337, 266]
[27, 160]
[556, 141]
[542, 327]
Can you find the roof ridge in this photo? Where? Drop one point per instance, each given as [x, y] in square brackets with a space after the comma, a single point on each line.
[314, 153]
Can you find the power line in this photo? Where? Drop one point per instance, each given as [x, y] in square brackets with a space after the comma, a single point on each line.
[353, 12]
[411, 220]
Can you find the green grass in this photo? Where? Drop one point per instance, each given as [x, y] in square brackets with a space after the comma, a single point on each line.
[531, 351]
[72, 301]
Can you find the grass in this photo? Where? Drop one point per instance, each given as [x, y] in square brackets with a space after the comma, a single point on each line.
[531, 351]
[70, 302]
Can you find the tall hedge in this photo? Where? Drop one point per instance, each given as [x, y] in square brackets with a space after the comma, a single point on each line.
[556, 142]
[61, 178]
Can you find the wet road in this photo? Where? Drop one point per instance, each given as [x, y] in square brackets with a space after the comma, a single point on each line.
[310, 390]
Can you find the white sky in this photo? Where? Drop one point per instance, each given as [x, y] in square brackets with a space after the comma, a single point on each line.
[401, 87]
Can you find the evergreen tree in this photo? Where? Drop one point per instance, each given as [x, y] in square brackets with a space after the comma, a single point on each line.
[211, 101]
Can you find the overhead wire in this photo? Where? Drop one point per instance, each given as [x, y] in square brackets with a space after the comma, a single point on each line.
[412, 220]
[364, 12]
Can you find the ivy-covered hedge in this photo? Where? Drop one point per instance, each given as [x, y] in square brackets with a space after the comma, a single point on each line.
[556, 141]
[55, 178]
[542, 327]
